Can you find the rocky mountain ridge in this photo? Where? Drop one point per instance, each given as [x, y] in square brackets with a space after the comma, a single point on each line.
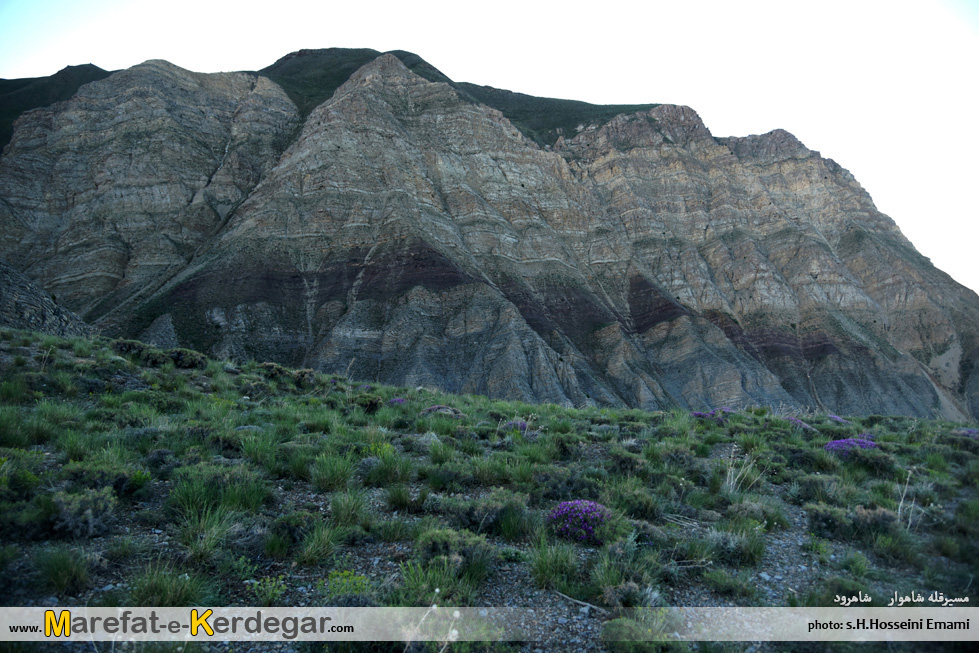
[404, 230]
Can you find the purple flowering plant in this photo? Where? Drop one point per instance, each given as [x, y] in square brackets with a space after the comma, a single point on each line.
[397, 401]
[837, 418]
[579, 521]
[845, 446]
[516, 424]
[717, 415]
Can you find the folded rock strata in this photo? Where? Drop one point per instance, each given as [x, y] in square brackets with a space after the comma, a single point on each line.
[403, 232]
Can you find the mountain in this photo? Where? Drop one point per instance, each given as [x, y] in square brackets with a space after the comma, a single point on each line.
[359, 212]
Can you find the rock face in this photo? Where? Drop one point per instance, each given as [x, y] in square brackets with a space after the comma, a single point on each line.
[411, 234]
[20, 95]
[23, 305]
[108, 194]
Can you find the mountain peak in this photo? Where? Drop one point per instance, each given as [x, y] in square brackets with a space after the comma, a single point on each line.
[776, 145]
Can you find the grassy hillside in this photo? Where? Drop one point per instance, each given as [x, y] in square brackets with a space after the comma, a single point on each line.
[544, 120]
[311, 77]
[135, 476]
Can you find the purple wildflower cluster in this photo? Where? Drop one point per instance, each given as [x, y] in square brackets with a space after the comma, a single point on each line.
[516, 424]
[365, 387]
[971, 433]
[844, 447]
[579, 520]
[397, 401]
[837, 418]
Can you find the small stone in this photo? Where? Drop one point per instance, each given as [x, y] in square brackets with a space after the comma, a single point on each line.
[778, 578]
[51, 600]
[157, 531]
[562, 620]
[108, 588]
[764, 576]
[802, 567]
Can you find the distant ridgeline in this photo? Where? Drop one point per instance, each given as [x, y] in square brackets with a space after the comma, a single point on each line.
[359, 212]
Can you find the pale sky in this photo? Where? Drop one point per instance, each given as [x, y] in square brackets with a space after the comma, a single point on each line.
[888, 89]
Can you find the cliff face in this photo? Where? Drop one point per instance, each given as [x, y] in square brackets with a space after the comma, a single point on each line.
[107, 194]
[408, 233]
[23, 305]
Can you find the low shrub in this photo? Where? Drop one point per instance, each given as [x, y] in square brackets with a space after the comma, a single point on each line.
[369, 402]
[744, 546]
[86, 513]
[139, 352]
[399, 498]
[725, 583]
[123, 479]
[868, 523]
[292, 527]
[770, 515]
[488, 514]
[828, 521]
[469, 555]
[187, 359]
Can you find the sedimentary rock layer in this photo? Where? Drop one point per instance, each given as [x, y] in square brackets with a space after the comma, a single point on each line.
[23, 305]
[404, 232]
